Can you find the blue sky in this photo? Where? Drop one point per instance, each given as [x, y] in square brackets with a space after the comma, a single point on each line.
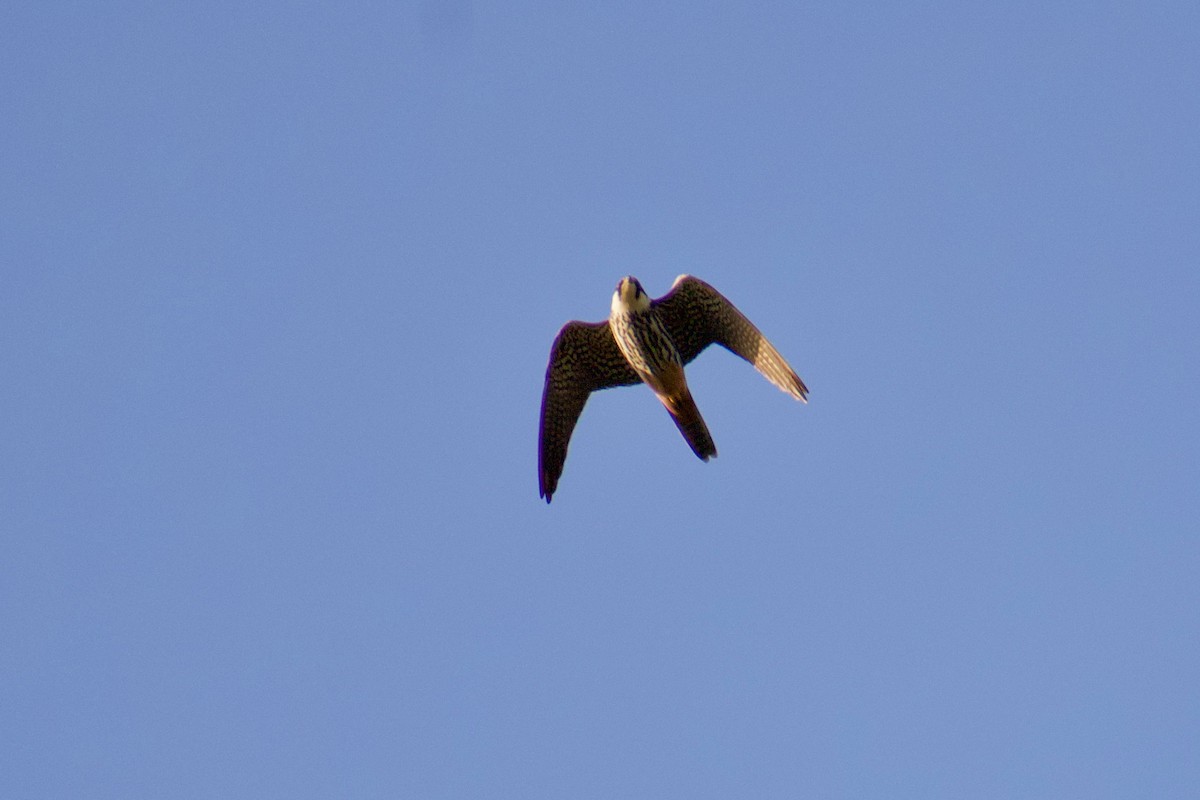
[279, 286]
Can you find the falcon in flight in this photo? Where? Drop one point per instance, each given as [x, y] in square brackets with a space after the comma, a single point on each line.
[648, 341]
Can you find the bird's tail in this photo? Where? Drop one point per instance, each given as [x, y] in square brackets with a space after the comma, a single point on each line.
[687, 418]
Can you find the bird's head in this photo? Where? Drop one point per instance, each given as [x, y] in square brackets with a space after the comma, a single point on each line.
[630, 296]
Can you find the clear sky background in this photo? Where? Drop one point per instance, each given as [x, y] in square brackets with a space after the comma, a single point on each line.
[279, 282]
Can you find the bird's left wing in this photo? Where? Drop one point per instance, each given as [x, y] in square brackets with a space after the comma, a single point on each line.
[583, 359]
[696, 315]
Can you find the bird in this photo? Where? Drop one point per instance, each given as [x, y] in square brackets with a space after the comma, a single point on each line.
[647, 341]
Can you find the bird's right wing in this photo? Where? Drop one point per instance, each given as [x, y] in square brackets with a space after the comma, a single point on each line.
[696, 315]
[583, 359]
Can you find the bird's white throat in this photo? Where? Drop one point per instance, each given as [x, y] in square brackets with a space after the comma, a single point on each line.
[628, 300]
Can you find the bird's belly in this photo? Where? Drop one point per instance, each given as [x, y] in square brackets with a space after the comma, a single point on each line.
[647, 347]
